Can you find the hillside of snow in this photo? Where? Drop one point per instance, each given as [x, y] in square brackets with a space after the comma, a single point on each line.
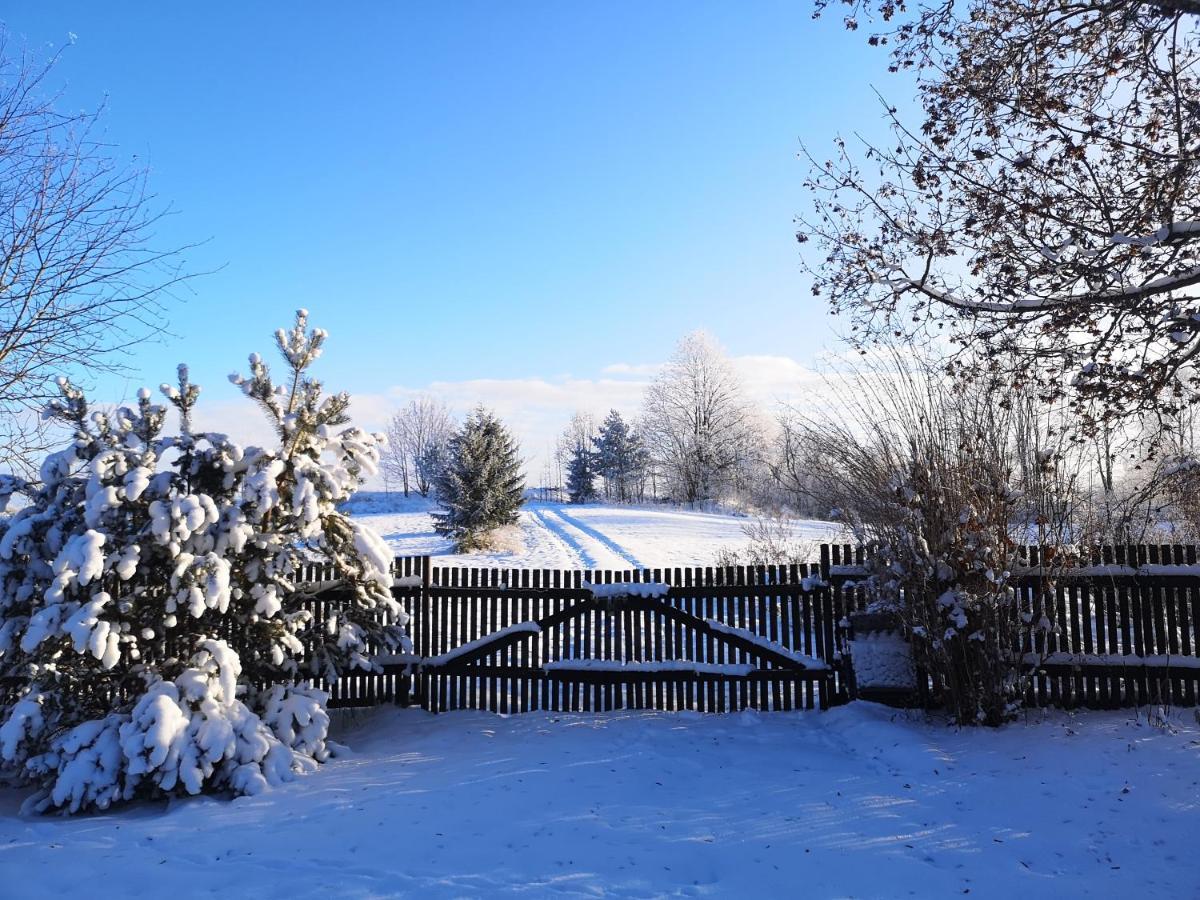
[857, 802]
[587, 536]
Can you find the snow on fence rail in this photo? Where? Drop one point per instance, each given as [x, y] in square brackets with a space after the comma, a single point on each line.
[1125, 634]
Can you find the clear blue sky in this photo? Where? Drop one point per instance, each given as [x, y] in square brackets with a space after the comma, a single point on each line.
[473, 190]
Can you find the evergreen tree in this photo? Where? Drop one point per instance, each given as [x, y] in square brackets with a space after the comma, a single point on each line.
[581, 475]
[620, 458]
[148, 615]
[482, 486]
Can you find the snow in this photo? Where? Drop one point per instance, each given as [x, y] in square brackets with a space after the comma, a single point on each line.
[627, 589]
[1149, 570]
[882, 659]
[584, 536]
[808, 662]
[450, 655]
[1111, 570]
[1175, 229]
[1130, 660]
[861, 801]
[665, 665]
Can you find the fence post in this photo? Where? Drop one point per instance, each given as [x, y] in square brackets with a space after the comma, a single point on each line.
[826, 607]
[419, 637]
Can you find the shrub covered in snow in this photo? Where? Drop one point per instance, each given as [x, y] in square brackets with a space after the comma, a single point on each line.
[925, 475]
[942, 560]
[151, 633]
[770, 540]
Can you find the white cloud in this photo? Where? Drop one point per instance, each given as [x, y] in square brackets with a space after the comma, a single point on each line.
[537, 409]
[771, 380]
[647, 370]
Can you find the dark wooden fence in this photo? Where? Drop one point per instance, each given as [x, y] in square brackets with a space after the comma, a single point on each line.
[1124, 624]
[761, 637]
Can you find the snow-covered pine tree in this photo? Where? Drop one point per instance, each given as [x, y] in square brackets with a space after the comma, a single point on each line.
[581, 475]
[482, 486]
[620, 458]
[152, 639]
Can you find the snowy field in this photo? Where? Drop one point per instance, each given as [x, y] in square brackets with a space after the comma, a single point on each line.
[857, 802]
[590, 536]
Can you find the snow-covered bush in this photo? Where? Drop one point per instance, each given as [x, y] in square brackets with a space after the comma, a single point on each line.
[924, 476]
[481, 488]
[152, 637]
[944, 564]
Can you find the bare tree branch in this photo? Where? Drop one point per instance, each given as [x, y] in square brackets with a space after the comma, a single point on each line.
[80, 280]
[1045, 213]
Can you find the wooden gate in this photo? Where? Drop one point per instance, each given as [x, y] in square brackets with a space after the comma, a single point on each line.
[712, 640]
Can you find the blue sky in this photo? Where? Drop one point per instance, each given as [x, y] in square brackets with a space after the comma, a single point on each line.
[473, 193]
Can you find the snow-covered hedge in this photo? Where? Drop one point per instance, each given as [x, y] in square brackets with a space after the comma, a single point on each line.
[151, 635]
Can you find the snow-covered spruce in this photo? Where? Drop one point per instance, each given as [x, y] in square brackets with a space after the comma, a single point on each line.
[481, 487]
[581, 475]
[621, 458]
[148, 614]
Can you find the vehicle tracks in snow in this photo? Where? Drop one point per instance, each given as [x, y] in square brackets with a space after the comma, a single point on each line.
[575, 536]
[597, 535]
[575, 551]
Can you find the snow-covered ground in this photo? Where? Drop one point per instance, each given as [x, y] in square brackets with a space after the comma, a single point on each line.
[857, 802]
[590, 536]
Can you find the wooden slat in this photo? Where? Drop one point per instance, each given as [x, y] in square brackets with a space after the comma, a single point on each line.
[1187, 645]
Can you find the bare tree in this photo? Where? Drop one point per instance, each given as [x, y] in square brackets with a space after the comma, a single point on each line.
[415, 435]
[1044, 212]
[793, 472]
[698, 424]
[80, 282]
[578, 434]
[394, 459]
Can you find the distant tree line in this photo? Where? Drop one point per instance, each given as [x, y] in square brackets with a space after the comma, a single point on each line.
[697, 439]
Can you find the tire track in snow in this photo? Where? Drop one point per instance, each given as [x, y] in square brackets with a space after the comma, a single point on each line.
[598, 536]
[574, 549]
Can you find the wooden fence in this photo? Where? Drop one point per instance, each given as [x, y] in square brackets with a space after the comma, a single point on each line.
[1124, 624]
[1124, 633]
